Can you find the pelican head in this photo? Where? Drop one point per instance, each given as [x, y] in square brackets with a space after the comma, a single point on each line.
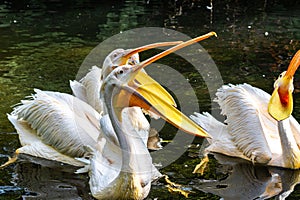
[120, 57]
[281, 102]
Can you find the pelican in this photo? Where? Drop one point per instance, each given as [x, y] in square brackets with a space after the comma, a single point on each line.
[258, 127]
[87, 89]
[58, 126]
[131, 172]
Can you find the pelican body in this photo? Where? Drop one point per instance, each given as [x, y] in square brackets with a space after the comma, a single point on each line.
[258, 126]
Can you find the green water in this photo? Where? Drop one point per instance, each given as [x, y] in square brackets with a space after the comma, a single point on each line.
[42, 45]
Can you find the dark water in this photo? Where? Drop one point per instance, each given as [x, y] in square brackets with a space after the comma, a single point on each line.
[42, 45]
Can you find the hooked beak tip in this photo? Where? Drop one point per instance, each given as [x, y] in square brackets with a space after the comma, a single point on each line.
[214, 33]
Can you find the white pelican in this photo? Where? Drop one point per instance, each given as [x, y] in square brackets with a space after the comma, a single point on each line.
[121, 166]
[131, 170]
[249, 131]
[58, 126]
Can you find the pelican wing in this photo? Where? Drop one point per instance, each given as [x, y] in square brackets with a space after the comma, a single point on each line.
[88, 88]
[295, 129]
[78, 90]
[244, 108]
[221, 141]
[32, 144]
[60, 120]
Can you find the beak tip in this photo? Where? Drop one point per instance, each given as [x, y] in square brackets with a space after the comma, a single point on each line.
[214, 34]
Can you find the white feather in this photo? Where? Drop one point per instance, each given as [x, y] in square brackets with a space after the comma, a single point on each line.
[57, 120]
[88, 88]
[249, 132]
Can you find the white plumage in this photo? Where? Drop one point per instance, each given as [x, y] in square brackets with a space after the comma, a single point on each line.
[249, 132]
[53, 123]
[88, 90]
[66, 128]
[63, 128]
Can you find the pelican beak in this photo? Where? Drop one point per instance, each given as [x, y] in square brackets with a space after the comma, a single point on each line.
[156, 103]
[141, 76]
[131, 52]
[281, 103]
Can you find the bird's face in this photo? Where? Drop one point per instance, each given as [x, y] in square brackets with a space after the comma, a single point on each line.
[121, 75]
[285, 87]
[116, 58]
[281, 103]
[115, 86]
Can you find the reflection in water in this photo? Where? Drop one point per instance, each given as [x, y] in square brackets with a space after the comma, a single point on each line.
[122, 19]
[247, 181]
[50, 180]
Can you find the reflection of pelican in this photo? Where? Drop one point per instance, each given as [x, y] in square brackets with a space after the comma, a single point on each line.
[247, 181]
[250, 132]
[57, 126]
[49, 182]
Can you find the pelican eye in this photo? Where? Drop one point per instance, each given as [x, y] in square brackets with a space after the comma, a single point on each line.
[115, 55]
[123, 69]
[143, 184]
[280, 76]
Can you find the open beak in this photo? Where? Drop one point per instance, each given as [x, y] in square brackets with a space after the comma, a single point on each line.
[281, 103]
[173, 49]
[131, 52]
[142, 77]
[152, 100]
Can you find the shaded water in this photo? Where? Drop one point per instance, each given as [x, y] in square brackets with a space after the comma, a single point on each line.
[42, 45]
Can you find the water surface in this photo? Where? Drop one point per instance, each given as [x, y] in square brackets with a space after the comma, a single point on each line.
[42, 45]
